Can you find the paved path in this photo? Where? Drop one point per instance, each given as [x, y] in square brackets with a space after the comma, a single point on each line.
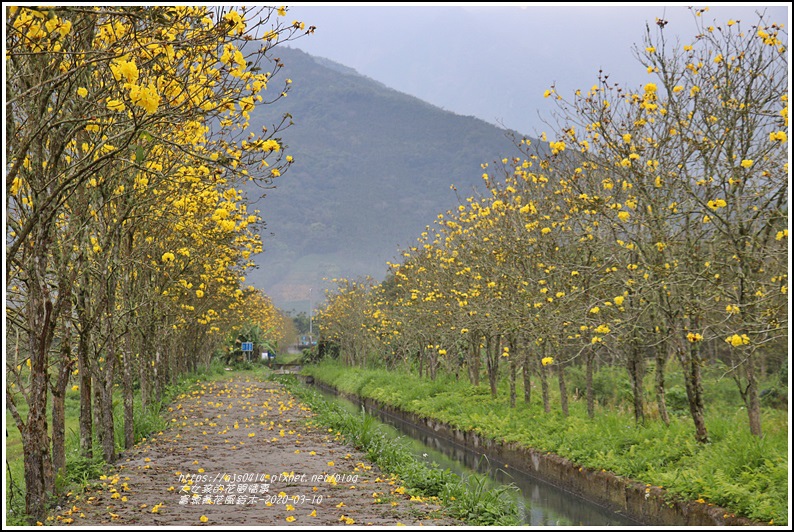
[245, 452]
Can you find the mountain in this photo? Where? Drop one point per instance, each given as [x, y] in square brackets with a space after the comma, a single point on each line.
[373, 167]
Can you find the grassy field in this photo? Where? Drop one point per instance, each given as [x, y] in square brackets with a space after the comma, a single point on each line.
[735, 470]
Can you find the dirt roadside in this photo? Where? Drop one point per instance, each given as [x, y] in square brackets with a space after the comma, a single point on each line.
[244, 452]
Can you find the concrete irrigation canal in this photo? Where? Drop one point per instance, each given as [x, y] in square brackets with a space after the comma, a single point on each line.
[540, 503]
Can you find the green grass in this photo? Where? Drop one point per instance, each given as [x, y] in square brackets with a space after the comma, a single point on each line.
[745, 474]
[289, 358]
[468, 499]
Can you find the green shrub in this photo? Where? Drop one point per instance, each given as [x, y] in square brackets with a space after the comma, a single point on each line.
[676, 400]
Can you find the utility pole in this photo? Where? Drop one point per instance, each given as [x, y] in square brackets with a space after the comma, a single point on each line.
[310, 314]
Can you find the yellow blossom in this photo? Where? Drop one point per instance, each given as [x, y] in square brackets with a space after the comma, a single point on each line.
[124, 69]
[116, 105]
[737, 340]
[16, 184]
[145, 97]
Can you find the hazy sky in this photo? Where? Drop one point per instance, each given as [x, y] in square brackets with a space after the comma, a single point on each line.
[495, 61]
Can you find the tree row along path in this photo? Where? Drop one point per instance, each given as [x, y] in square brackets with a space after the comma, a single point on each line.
[246, 452]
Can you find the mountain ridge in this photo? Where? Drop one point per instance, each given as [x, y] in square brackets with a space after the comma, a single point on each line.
[373, 167]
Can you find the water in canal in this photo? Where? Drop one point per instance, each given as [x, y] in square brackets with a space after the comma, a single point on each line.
[540, 503]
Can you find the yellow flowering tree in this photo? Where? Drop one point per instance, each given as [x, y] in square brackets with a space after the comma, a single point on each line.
[106, 109]
[651, 225]
[694, 180]
[343, 319]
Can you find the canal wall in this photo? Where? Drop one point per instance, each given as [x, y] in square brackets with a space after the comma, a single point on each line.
[649, 505]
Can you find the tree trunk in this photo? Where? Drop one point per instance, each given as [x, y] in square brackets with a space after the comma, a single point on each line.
[544, 382]
[636, 369]
[143, 377]
[492, 358]
[36, 450]
[513, 370]
[64, 365]
[58, 428]
[86, 414]
[84, 370]
[690, 362]
[107, 429]
[661, 403]
[58, 389]
[526, 373]
[129, 422]
[588, 381]
[750, 396]
[35, 438]
[563, 389]
[157, 379]
[36, 453]
[59, 410]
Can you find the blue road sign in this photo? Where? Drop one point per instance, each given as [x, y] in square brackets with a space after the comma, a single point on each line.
[248, 346]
